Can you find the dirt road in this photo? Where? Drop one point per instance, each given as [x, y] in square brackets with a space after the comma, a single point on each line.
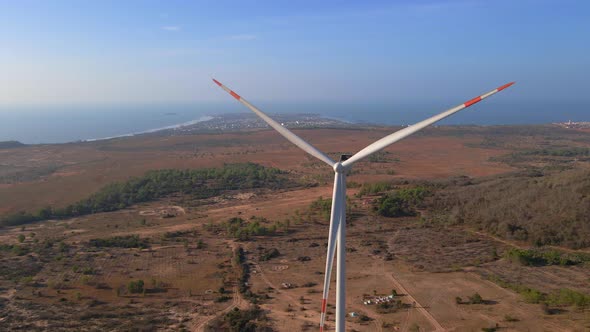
[237, 302]
[421, 309]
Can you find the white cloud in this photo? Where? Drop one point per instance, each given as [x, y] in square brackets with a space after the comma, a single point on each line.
[243, 37]
[171, 28]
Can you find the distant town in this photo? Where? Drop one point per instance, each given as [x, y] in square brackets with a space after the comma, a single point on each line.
[239, 121]
[574, 125]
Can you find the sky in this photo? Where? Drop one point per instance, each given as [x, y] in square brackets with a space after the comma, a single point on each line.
[138, 52]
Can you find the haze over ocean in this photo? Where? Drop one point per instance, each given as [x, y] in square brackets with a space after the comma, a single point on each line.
[33, 125]
[389, 62]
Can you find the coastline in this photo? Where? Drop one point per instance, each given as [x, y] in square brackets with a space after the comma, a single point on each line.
[149, 131]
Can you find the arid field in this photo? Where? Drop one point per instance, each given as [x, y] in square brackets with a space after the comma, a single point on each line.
[251, 256]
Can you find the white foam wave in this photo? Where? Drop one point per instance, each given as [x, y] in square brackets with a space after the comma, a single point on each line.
[175, 126]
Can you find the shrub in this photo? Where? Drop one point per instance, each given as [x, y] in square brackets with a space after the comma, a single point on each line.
[243, 320]
[85, 280]
[531, 295]
[509, 318]
[401, 202]
[536, 257]
[475, 299]
[20, 250]
[222, 298]
[269, 254]
[129, 241]
[323, 207]
[364, 318]
[135, 287]
[242, 230]
[374, 188]
[567, 296]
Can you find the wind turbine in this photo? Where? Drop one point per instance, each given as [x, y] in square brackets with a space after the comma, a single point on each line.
[337, 232]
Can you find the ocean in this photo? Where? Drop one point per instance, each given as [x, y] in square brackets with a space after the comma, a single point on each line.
[35, 125]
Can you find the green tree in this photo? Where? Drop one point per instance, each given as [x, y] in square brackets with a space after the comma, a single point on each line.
[135, 287]
[475, 299]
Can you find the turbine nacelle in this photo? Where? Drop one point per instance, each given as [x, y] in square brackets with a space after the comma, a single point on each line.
[338, 167]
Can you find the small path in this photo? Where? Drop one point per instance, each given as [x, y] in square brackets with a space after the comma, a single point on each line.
[261, 273]
[375, 318]
[423, 311]
[406, 322]
[524, 246]
[237, 302]
[427, 315]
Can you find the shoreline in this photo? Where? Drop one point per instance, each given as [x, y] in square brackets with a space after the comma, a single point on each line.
[243, 120]
[149, 131]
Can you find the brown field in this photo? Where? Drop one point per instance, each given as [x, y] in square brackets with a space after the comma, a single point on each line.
[85, 167]
[77, 286]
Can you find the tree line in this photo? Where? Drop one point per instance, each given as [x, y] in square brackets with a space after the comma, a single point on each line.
[199, 183]
[542, 208]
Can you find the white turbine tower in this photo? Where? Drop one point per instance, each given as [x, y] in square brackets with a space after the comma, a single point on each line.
[337, 233]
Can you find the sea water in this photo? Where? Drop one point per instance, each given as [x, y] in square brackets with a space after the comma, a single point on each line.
[52, 124]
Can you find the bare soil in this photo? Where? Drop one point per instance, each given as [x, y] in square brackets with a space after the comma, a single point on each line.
[76, 286]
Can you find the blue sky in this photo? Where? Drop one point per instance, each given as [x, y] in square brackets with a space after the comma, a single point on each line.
[82, 52]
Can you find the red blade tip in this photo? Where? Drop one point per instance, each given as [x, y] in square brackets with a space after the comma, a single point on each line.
[505, 86]
[216, 81]
[472, 101]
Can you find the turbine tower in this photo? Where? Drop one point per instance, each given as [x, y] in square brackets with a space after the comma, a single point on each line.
[337, 232]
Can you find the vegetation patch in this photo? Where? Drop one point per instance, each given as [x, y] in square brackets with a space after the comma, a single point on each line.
[251, 320]
[374, 188]
[473, 299]
[241, 229]
[563, 297]
[129, 241]
[548, 152]
[541, 208]
[15, 174]
[200, 183]
[177, 235]
[322, 206]
[269, 254]
[243, 271]
[401, 202]
[135, 286]
[537, 257]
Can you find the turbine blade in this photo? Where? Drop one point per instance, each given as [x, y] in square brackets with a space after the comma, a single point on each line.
[403, 133]
[282, 130]
[334, 226]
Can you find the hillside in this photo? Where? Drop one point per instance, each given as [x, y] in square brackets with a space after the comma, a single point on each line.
[541, 208]
[11, 144]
